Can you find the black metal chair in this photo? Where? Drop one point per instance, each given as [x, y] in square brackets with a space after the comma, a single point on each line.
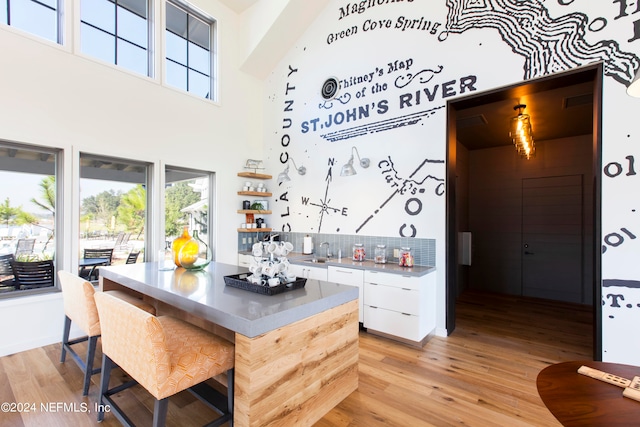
[7, 279]
[93, 272]
[34, 274]
[133, 257]
[24, 247]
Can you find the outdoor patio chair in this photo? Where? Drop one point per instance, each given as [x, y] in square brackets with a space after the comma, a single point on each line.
[95, 253]
[24, 247]
[133, 257]
[7, 279]
[35, 274]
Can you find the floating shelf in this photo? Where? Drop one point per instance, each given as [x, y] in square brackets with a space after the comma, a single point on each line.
[254, 193]
[253, 230]
[254, 212]
[254, 175]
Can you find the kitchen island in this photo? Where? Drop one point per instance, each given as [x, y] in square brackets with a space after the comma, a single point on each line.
[296, 352]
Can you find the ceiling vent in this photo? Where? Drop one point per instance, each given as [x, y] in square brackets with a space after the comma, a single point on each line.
[471, 121]
[578, 100]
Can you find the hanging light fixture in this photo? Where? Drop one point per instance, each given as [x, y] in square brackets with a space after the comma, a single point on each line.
[348, 169]
[284, 175]
[521, 133]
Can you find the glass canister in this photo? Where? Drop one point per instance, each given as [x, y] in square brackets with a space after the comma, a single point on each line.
[358, 252]
[405, 257]
[380, 254]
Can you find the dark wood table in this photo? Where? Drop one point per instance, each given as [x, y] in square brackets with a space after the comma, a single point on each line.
[91, 262]
[577, 400]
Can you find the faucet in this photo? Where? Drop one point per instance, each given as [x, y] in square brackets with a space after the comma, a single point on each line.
[329, 254]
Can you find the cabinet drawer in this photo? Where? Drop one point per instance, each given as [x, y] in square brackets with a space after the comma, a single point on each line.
[308, 272]
[346, 276]
[392, 323]
[396, 299]
[244, 260]
[389, 279]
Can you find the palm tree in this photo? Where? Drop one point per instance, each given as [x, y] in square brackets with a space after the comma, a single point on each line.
[48, 193]
[131, 211]
[8, 214]
[48, 203]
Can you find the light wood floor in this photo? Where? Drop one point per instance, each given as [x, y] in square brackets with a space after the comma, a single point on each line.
[482, 375]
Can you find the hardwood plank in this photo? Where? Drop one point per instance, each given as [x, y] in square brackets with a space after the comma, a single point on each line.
[484, 374]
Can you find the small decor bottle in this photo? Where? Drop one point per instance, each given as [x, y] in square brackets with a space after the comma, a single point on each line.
[358, 252]
[178, 243]
[405, 258]
[380, 254]
[194, 254]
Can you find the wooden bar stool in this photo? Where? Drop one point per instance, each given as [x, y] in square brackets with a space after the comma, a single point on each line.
[164, 355]
[80, 307]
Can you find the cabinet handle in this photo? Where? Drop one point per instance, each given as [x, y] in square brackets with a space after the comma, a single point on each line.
[373, 306]
[344, 271]
[405, 289]
[406, 314]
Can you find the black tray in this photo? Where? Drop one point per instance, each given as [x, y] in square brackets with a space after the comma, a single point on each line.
[240, 281]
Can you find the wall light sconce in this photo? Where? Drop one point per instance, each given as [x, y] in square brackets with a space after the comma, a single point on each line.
[634, 88]
[284, 175]
[348, 169]
[521, 133]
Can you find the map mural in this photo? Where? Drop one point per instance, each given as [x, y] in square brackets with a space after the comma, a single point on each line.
[388, 69]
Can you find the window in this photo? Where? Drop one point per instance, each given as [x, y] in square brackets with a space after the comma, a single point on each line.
[113, 210]
[116, 31]
[39, 17]
[28, 196]
[187, 203]
[189, 37]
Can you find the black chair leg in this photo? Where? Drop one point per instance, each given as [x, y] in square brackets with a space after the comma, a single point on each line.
[230, 392]
[65, 338]
[160, 408]
[88, 365]
[107, 364]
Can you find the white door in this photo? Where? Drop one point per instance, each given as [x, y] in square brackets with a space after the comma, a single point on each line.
[552, 238]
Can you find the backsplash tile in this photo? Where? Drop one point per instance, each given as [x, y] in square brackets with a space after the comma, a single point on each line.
[424, 250]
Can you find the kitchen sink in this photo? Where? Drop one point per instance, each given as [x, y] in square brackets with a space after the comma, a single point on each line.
[315, 260]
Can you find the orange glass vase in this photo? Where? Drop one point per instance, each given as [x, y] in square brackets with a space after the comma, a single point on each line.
[178, 243]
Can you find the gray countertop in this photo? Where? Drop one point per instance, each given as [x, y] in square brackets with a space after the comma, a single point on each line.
[205, 295]
[389, 267]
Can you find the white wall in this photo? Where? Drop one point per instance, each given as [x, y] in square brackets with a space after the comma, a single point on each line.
[488, 45]
[54, 97]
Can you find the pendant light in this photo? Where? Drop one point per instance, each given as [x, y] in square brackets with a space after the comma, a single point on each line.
[521, 133]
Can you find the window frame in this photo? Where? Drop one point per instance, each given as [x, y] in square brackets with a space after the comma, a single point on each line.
[59, 229]
[148, 185]
[212, 23]
[150, 35]
[211, 201]
[59, 20]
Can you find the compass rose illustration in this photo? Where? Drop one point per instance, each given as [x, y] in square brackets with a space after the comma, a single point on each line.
[324, 202]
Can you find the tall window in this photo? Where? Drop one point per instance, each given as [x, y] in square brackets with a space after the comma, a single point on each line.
[27, 216]
[116, 31]
[189, 38]
[113, 210]
[39, 17]
[187, 203]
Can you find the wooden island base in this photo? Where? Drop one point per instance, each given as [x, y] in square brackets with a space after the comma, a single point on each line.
[292, 375]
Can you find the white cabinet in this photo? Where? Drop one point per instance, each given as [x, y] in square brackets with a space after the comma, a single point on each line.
[400, 306]
[244, 260]
[317, 273]
[349, 276]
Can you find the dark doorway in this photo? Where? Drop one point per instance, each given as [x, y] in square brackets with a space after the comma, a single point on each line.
[500, 198]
